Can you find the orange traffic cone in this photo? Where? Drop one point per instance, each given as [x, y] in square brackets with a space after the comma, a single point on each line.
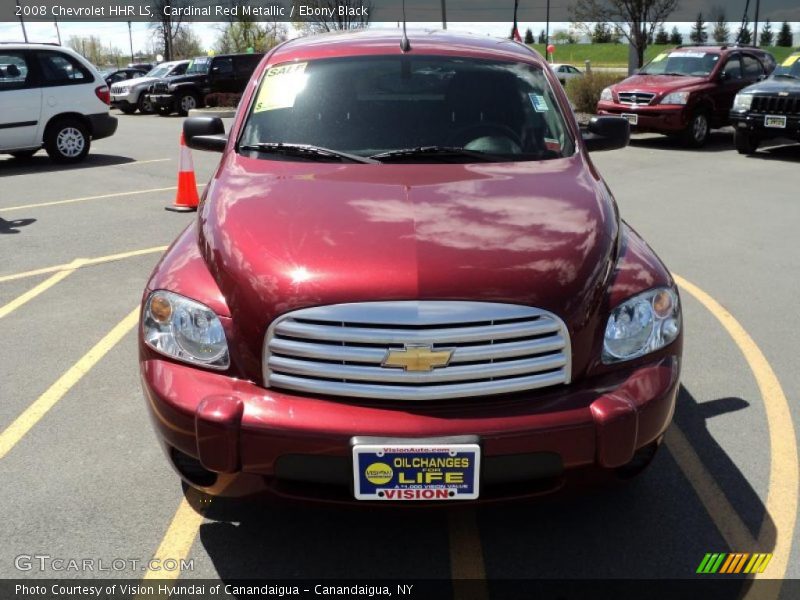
[186, 199]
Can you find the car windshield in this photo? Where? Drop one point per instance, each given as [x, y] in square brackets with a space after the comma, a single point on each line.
[404, 108]
[790, 67]
[198, 65]
[159, 71]
[695, 63]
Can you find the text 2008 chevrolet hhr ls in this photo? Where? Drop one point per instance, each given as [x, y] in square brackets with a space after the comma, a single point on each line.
[407, 281]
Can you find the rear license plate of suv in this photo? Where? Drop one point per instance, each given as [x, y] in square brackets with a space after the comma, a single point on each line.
[778, 122]
[632, 119]
[416, 471]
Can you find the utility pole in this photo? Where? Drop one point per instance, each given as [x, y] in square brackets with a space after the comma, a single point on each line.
[58, 31]
[444, 14]
[547, 30]
[21, 22]
[755, 24]
[130, 38]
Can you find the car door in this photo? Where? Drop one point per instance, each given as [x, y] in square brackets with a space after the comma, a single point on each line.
[752, 70]
[221, 78]
[730, 80]
[20, 101]
[67, 86]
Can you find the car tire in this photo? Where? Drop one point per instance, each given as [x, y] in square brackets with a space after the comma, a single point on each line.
[67, 140]
[698, 131]
[746, 142]
[23, 154]
[144, 105]
[186, 102]
[127, 110]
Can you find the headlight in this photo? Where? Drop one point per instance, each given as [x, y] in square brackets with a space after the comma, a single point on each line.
[641, 325]
[742, 101]
[676, 98]
[185, 330]
[606, 95]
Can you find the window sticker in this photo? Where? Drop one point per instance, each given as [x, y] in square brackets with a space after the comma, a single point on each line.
[687, 54]
[552, 144]
[791, 60]
[539, 103]
[660, 57]
[280, 87]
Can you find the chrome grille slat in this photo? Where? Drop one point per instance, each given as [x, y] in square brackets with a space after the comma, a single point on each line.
[636, 98]
[339, 349]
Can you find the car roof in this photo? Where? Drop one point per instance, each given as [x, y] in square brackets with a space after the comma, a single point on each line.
[387, 41]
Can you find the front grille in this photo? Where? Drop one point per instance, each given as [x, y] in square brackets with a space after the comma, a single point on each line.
[160, 88]
[339, 349]
[776, 105]
[118, 89]
[635, 98]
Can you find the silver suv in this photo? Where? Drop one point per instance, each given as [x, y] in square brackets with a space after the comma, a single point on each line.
[132, 94]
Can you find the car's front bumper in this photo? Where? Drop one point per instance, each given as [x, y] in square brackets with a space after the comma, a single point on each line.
[659, 119]
[162, 100]
[262, 439]
[755, 123]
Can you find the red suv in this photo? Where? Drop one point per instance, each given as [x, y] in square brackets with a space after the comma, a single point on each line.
[407, 281]
[687, 91]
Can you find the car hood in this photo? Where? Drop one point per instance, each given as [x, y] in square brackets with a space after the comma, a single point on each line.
[658, 84]
[774, 85]
[182, 78]
[280, 235]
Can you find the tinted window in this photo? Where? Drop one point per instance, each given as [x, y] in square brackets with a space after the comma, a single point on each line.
[179, 69]
[245, 65]
[14, 73]
[733, 68]
[223, 65]
[696, 63]
[198, 65]
[369, 105]
[60, 69]
[752, 68]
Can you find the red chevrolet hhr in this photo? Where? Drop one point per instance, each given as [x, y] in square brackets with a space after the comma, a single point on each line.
[407, 281]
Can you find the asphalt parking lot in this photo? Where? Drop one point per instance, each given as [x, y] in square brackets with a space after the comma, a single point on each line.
[83, 476]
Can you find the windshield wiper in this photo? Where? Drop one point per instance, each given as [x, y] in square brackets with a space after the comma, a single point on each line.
[437, 151]
[675, 74]
[305, 151]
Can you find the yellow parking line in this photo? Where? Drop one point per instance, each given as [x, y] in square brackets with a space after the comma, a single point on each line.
[84, 262]
[178, 539]
[34, 413]
[42, 287]
[86, 198]
[784, 474]
[142, 162]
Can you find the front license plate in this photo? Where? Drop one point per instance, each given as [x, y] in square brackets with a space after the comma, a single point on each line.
[776, 122]
[400, 471]
[632, 119]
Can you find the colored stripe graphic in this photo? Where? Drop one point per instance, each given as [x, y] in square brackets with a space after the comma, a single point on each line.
[722, 562]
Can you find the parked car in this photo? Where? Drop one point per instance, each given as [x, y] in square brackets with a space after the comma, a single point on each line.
[130, 96]
[407, 281]
[687, 91]
[225, 73]
[566, 72]
[769, 109]
[51, 96]
[118, 75]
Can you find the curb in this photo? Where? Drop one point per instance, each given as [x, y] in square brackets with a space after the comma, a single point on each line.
[222, 113]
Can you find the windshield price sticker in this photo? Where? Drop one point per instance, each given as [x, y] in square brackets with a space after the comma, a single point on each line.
[791, 60]
[435, 472]
[660, 57]
[539, 103]
[280, 87]
[687, 54]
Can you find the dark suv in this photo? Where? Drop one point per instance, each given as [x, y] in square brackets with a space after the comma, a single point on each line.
[769, 109]
[686, 91]
[226, 73]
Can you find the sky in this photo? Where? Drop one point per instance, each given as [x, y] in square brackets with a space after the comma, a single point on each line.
[116, 34]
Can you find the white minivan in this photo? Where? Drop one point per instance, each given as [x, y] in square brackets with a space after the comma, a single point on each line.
[51, 97]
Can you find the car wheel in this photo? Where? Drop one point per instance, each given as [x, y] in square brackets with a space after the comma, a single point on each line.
[23, 154]
[698, 131]
[67, 141]
[144, 105]
[128, 110]
[187, 102]
[639, 463]
[746, 143]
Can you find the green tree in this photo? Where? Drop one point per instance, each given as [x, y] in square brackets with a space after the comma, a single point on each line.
[675, 37]
[186, 44]
[528, 36]
[602, 34]
[238, 36]
[662, 37]
[721, 31]
[767, 36]
[542, 37]
[785, 36]
[745, 36]
[698, 34]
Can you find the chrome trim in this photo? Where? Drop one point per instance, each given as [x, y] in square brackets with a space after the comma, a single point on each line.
[646, 96]
[338, 349]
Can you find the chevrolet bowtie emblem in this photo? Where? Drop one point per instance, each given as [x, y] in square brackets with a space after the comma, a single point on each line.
[418, 358]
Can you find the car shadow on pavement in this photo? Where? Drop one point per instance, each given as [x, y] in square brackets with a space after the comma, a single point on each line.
[13, 226]
[41, 163]
[652, 527]
[785, 151]
[719, 141]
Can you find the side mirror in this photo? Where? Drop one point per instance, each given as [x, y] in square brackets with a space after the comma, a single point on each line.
[205, 133]
[607, 133]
